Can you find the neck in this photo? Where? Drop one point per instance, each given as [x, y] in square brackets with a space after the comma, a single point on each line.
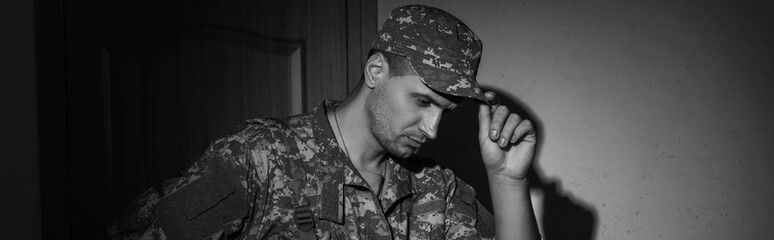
[363, 149]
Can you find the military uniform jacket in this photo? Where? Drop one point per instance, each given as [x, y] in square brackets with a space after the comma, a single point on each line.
[248, 185]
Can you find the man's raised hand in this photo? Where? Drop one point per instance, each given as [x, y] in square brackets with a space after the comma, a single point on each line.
[506, 139]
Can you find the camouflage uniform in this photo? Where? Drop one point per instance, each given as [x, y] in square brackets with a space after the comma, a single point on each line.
[247, 184]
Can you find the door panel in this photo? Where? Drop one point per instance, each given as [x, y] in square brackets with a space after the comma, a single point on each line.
[192, 93]
[194, 73]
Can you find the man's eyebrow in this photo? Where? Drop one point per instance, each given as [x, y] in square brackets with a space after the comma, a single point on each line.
[435, 100]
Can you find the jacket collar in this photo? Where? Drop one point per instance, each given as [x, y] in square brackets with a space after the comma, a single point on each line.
[399, 185]
[334, 170]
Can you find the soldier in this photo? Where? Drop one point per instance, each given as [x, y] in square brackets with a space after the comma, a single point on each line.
[347, 170]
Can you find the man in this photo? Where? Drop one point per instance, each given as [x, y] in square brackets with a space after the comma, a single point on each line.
[347, 170]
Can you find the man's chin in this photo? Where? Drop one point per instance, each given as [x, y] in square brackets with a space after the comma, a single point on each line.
[405, 152]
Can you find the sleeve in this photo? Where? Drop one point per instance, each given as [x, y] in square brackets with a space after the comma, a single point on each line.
[466, 217]
[212, 200]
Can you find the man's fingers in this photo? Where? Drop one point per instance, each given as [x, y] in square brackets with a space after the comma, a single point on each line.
[492, 98]
[499, 117]
[507, 134]
[525, 130]
[485, 115]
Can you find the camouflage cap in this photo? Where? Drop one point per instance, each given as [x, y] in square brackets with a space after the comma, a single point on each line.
[443, 51]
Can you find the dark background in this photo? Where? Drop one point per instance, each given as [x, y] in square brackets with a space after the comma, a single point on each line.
[19, 186]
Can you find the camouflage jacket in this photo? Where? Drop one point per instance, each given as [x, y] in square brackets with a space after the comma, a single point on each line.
[246, 187]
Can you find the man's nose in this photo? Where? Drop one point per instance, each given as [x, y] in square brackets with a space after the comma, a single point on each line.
[430, 124]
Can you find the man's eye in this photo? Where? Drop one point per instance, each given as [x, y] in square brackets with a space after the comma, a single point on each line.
[422, 102]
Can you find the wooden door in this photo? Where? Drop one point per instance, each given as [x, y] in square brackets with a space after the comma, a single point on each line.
[146, 85]
[188, 73]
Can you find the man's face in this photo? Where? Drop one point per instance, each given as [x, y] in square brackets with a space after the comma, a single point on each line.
[404, 113]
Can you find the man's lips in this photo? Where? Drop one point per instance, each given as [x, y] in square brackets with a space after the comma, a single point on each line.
[416, 142]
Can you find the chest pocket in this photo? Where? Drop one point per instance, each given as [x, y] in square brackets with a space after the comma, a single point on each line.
[303, 201]
[298, 221]
[464, 201]
[427, 220]
[467, 211]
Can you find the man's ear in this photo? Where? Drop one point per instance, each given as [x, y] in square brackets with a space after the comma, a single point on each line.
[376, 70]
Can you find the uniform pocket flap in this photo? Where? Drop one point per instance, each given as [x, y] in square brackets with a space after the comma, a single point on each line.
[466, 193]
[430, 206]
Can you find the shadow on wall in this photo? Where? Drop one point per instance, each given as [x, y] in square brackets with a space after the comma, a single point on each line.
[564, 216]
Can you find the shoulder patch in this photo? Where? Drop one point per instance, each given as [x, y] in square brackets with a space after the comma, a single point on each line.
[202, 207]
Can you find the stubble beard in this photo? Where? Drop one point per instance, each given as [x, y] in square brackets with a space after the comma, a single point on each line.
[380, 122]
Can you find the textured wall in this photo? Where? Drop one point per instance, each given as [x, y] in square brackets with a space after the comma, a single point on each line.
[655, 115]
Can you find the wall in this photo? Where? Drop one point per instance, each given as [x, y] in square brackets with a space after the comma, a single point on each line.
[654, 114]
[19, 183]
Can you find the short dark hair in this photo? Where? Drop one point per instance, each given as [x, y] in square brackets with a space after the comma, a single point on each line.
[399, 65]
